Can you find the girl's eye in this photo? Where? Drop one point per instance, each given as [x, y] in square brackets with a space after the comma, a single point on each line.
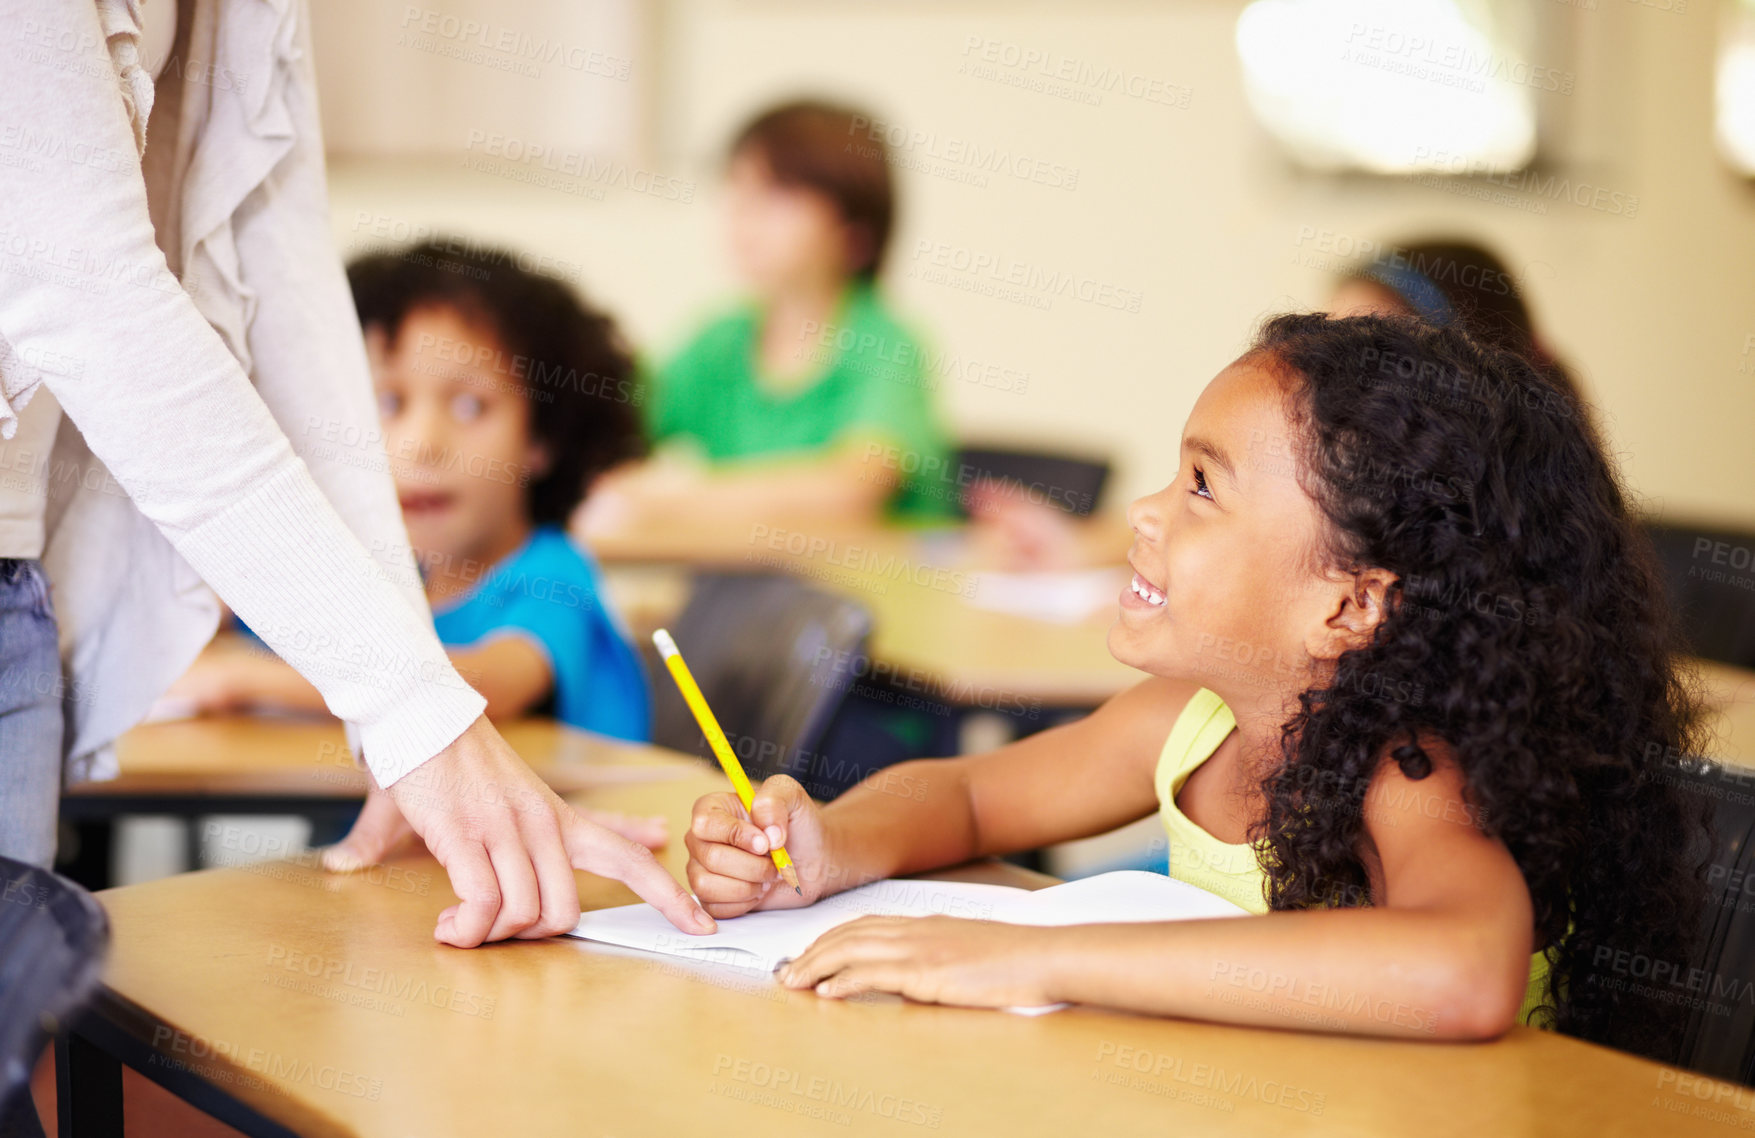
[1200, 485]
[466, 408]
[389, 404]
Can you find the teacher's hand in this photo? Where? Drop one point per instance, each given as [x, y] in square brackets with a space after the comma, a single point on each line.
[510, 844]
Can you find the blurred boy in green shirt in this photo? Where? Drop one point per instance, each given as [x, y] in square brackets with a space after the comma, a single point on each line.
[810, 399]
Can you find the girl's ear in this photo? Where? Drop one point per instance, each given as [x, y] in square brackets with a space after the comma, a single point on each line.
[1359, 606]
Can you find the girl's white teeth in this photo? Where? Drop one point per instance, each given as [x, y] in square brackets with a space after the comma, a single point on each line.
[1146, 593]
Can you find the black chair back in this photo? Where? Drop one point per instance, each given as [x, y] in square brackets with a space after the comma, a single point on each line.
[53, 936]
[1710, 577]
[1068, 482]
[1720, 1036]
[773, 656]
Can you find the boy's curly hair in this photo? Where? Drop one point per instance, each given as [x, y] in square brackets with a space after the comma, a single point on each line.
[568, 358]
[1528, 630]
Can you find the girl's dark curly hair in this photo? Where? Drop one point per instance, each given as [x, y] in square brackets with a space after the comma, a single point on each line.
[568, 358]
[1528, 630]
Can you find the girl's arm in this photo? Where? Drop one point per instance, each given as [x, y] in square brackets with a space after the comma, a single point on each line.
[1444, 955]
[1068, 782]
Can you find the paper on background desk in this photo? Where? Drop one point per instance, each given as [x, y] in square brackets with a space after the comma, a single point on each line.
[761, 941]
[1059, 596]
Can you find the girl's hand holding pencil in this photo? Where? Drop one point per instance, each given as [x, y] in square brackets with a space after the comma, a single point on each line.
[754, 823]
[730, 867]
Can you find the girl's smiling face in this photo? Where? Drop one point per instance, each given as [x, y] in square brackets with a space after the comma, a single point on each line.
[1229, 588]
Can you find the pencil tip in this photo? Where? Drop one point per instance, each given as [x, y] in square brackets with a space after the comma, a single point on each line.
[798, 891]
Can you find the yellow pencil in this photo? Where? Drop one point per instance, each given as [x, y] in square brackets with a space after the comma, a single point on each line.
[697, 702]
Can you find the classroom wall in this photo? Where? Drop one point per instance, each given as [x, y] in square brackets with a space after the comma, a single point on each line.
[1169, 206]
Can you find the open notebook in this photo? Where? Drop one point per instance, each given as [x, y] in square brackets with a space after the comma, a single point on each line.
[763, 940]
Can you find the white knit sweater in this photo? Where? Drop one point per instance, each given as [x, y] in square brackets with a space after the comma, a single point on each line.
[218, 410]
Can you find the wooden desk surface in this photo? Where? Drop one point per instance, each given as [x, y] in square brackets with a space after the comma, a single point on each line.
[323, 1003]
[248, 755]
[242, 755]
[936, 641]
[928, 638]
[732, 544]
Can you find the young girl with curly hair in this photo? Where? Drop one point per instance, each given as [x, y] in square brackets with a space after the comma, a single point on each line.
[1412, 680]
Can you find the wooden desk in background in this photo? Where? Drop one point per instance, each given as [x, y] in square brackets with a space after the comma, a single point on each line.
[246, 756]
[928, 636]
[286, 1000]
[248, 759]
[248, 765]
[932, 635]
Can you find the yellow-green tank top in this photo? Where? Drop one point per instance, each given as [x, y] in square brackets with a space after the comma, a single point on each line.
[1232, 870]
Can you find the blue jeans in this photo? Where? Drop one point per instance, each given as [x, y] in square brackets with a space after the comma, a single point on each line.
[30, 715]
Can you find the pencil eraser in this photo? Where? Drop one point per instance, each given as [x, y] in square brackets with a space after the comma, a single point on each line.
[666, 646]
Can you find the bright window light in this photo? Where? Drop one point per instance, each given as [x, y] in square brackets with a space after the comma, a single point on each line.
[1392, 86]
[1735, 129]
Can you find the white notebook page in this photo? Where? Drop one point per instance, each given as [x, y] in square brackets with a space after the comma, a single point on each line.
[764, 940]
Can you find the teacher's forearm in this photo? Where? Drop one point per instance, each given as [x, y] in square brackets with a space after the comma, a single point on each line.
[161, 399]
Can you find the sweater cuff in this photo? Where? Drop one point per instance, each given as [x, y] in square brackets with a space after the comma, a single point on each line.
[421, 725]
[281, 557]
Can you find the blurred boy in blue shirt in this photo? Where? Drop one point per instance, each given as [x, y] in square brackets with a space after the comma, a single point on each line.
[501, 398]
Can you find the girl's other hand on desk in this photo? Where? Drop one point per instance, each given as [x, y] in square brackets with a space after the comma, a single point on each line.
[730, 869]
[936, 960]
